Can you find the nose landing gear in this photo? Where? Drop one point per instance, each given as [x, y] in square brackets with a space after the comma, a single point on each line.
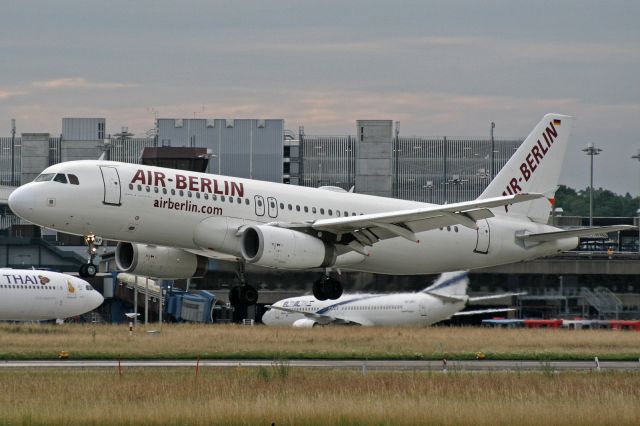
[89, 269]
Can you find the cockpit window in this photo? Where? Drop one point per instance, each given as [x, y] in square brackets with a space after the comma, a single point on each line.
[73, 179]
[60, 177]
[45, 177]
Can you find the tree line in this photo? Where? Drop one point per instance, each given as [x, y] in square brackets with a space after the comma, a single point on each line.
[605, 202]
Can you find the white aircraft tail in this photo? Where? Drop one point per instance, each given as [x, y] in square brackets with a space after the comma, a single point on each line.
[534, 168]
[449, 284]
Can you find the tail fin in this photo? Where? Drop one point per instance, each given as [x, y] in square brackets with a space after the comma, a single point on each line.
[449, 284]
[534, 168]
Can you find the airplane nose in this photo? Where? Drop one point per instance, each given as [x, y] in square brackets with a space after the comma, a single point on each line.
[97, 299]
[266, 317]
[21, 202]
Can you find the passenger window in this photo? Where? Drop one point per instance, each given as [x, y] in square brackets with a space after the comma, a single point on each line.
[173, 192]
[281, 206]
[338, 213]
[189, 194]
[130, 186]
[181, 193]
[73, 180]
[198, 195]
[246, 201]
[290, 207]
[239, 200]
[222, 198]
[321, 211]
[297, 208]
[148, 189]
[139, 187]
[214, 197]
[155, 189]
[60, 177]
[330, 212]
[164, 190]
[346, 213]
[259, 202]
[306, 209]
[313, 209]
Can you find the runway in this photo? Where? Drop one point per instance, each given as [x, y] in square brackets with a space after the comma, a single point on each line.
[388, 365]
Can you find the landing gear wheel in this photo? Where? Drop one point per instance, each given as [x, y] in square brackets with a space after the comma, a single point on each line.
[83, 270]
[332, 288]
[248, 295]
[90, 269]
[327, 288]
[318, 289]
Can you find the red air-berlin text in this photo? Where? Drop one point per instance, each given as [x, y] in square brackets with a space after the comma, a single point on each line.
[533, 159]
[191, 183]
[186, 206]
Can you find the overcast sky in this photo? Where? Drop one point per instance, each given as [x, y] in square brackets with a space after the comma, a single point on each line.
[440, 68]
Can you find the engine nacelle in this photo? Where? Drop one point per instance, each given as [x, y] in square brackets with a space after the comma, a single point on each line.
[284, 248]
[305, 323]
[159, 261]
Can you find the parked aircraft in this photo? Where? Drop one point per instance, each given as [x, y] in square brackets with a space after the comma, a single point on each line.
[33, 295]
[445, 298]
[169, 222]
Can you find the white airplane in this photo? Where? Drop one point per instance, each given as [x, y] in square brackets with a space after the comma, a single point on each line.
[33, 295]
[168, 222]
[445, 298]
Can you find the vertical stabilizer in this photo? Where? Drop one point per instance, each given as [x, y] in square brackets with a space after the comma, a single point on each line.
[534, 167]
[449, 284]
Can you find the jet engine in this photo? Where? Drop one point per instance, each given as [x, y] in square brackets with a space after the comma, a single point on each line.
[284, 248]
[159, 261]
[305, 323]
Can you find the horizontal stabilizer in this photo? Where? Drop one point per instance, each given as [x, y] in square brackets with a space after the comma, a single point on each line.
[483, 311]
[558, 235]
[495, 296]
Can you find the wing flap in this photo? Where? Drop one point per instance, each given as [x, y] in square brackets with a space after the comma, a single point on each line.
[483, 311]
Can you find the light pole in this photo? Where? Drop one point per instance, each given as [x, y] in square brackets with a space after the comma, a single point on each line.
[591, 150]
[637, 157]
[493, 150]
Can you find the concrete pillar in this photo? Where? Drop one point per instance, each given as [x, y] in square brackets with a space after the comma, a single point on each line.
[35, 155]
[374, 157]
[80, 150]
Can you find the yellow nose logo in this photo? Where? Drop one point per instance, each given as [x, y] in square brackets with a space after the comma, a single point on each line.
[70, 287]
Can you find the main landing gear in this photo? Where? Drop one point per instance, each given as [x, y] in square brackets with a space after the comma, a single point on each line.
[327, 288]
[243, 294]
[89, 269]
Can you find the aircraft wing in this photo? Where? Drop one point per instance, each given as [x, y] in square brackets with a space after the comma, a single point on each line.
[557, 235]
[483, 311]
[370, 228]
[322, 319]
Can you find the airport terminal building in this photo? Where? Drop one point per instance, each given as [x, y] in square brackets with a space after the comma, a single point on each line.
[375, 159]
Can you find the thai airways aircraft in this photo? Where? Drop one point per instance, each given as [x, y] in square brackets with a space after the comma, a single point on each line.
[445, 298]
[32, 295]
[168, 222]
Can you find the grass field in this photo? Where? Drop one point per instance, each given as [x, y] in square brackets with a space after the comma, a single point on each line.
[233, 341]
[285, 396]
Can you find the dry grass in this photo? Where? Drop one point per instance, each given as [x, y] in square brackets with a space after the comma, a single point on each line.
[234, 341]
[301, 396]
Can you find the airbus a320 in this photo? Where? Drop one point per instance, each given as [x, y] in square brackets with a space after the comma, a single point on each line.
[169, 222]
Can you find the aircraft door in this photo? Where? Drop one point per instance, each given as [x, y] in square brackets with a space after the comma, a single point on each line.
[483, 237]
[111, 181]
[272, 206]
[259, 200]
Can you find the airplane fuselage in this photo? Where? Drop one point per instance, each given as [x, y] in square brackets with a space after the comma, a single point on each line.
[33, 295]
[399, 309]
[203, 212]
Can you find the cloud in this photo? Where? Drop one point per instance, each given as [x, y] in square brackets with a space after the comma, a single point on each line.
[78, 83]
[10, 93]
